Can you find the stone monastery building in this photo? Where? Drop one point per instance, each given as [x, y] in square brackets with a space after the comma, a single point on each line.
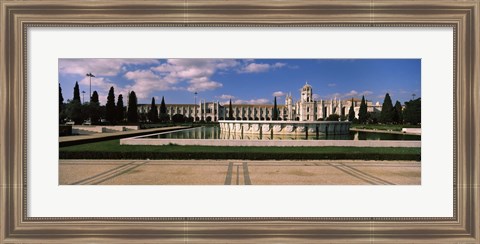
[305, 109]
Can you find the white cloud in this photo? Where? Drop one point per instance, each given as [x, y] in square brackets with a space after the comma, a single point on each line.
[102, 86]
[279, 94]
[197, 72]
[382, 96]
[224, 103]
[316, 96]
[99, 66]
[332, 96]
[248, 60]
[146, 81]
[225, 96]
[351, 93]
[331, 84]
[203, 84]
[255, 68]
[252, 101]
[194, 75]
[348, 95]
[354, 93]
[157, 76]
[366, 93]
[259, 67]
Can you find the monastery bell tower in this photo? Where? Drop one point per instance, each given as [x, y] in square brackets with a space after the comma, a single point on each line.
[289, 104]
[306, 95]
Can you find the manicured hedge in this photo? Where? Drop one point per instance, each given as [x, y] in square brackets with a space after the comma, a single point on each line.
[237, 155]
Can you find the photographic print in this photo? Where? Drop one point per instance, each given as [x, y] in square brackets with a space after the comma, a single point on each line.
[285, 162]
[239, 121]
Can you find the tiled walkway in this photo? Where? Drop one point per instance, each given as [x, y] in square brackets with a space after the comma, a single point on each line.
[238, 172]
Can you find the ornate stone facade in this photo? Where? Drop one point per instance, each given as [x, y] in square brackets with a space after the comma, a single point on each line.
[305, 109]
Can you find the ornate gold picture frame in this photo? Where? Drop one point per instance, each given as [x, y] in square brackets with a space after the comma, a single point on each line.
[17, 16]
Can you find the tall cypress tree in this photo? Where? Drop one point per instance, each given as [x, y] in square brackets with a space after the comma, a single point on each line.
[153, 113]
[110, 107]
[61, 106]
[351, 113]
[362, 113]
[74, 107]
[60, 98]
[95, 97]
[132, 113]
[163, 111]
[76, 92]
[230, 110]
[387, 114]
[275, 110]
[94, 108]
[398, 113]
[120, 109]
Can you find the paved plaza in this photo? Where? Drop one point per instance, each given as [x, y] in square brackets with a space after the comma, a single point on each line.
[238, 172]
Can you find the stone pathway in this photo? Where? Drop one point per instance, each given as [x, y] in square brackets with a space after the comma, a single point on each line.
[238, 172]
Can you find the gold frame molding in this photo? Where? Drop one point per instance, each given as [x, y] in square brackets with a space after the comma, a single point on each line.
[17, 16]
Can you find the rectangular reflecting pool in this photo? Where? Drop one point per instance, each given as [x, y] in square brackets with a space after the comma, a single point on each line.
[214, 132]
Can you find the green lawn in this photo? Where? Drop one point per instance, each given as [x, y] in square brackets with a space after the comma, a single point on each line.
[383, 127]
[113, 150]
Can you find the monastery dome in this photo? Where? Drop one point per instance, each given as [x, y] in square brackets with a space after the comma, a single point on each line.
[307, 86]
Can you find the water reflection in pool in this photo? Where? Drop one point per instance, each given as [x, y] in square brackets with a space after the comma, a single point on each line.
[214, 132]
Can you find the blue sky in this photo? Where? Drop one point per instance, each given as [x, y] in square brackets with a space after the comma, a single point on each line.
[254, 81]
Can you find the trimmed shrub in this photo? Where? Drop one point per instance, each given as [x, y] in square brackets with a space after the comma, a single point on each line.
[237, 155]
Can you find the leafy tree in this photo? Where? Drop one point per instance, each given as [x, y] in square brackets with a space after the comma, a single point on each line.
[76, 92]
[74, 107]
[85, 112]
[120, 109]
[132, 113]
[94, 109]
[103, 111]
[398, 113]
[142, 117]
[230, 110]
[333, 117]
[178, 118]
[153, 113]
[413, 112]
[387, 114]
[362, 113]
[275, 110]
[373, 117]
[110, 115]
[351, 113]
[163, 111]
[74, 111]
